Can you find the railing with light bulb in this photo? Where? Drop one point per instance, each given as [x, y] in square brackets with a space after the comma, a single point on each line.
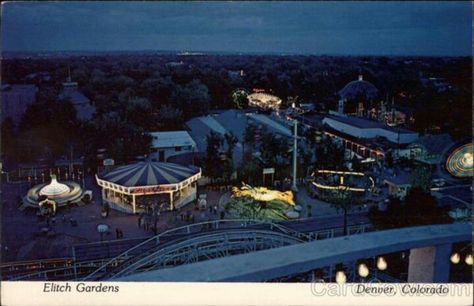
[465, 252]
[362, 270]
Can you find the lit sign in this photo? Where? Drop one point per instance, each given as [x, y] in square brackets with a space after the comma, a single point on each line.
[154, 189]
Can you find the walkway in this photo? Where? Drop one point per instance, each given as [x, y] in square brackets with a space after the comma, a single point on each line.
[21, 230]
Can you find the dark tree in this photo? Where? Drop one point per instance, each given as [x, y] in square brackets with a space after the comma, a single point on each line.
[329, 155]
[193, 98]
[212, 161]
[418, 208]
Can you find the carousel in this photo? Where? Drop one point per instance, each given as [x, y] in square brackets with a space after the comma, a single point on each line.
[54, 194]
[135, 187]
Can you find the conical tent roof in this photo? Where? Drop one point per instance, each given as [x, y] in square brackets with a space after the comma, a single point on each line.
[149, 174]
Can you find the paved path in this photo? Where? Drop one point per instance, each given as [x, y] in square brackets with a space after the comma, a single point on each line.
[22, 239]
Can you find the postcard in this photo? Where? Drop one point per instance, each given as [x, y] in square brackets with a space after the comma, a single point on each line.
[236, 153]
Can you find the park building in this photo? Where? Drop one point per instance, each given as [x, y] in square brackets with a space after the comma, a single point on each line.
[398, 183]
[428, 149]
[168, 144]
[15, 100]
[367, 138]
[360, 98]
[357, 97]
[84, 108]
[235, 122]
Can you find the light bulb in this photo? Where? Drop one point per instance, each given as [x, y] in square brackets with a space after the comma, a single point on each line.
[363, 270]
[341, 277]
[381, 264]
[469, 259]
[455, 258]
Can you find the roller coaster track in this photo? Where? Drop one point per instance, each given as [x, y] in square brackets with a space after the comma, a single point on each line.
[108, 258]
[201, 248]
[184, 233]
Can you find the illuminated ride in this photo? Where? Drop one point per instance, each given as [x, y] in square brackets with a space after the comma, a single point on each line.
[263, 194]
[330, 180]
[261, 203]
[239, 97]
[460, 162]
[264, 101]
[55, 193]
[132, 188]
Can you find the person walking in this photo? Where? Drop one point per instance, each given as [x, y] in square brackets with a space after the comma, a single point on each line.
[140, 221]
[117, 233]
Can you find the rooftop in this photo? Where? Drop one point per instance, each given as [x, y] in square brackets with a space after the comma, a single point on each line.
[359, 88]
[234, 121]
[399, 177]
[272, 124]
[435, 144]
[171, 139]
[365, 123]
[81, 103]
[19, 88]
[148, 174]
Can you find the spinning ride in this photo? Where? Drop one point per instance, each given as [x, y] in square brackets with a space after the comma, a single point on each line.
[61, 194]
[460, 162]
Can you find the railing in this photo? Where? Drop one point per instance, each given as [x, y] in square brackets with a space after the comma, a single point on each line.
[72, 269]
[336, 232]
[186, 230]
[204, 247]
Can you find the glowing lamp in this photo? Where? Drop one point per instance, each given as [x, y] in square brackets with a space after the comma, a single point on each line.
[363, 270]
[341, 277]
[381, 264]
[469, 259]
[455, 258]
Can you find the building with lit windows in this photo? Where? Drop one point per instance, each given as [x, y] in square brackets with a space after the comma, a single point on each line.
[367, 138]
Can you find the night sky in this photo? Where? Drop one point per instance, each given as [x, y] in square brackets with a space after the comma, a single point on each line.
[370, 28]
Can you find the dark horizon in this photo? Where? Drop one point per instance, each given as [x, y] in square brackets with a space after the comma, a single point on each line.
[39, 53]
[433, 29]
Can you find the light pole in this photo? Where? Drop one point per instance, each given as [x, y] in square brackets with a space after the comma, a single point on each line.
[295, 153]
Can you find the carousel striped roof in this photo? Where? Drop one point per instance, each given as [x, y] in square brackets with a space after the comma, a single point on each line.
[149, 174]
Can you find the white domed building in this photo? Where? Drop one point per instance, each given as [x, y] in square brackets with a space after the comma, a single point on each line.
[357, 97]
